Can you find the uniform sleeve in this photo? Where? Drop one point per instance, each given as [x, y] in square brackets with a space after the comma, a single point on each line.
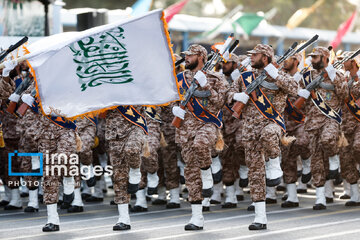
[355, 90]
[341, 87]
[6, 88]
[218, 88]
[235, 87]
[287, 83]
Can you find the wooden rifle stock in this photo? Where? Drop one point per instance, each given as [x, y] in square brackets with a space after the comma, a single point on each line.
[239, 106]
[11, 107]
[177, 121]
[22, 109]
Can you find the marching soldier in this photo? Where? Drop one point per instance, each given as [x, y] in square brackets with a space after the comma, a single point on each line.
[11, 78]
[196, 136]
[234, 154]
[322, 122]
[261, 136]
[149, 164]
[295, 128]
[125, 141]
[349, 155]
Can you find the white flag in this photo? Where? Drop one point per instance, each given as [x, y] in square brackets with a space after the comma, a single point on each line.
[125, 63]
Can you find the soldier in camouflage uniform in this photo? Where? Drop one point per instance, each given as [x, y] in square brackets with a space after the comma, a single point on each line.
[260, 136]
[198, 138]
[349, 155]
[323, 131]
[7, 87]
[168, 159]
[28, 128]
[234, 154]
[169, 174]
[125, 142]
[149, 165]
[300, 146]
[53, 140]
[11, 136]
[86, 129]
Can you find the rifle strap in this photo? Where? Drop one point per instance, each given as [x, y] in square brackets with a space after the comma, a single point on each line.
[262, 103]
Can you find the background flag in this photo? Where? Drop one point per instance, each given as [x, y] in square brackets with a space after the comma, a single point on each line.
[344, 28]
[248, 22]
[300, 15]
[174, 9]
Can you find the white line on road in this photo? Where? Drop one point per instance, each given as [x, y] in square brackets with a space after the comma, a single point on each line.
[342, 234]
[292, 229]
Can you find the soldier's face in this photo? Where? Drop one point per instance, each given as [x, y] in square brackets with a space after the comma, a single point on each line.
[257, 60]
[348, 65]
[191, 61]
[317, 62]
[228, 68]
[289, 64]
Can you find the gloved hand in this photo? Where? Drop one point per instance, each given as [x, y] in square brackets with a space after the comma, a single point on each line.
[178, 112]
[241, 97]
[201, 78]
[331, 71]
[297, 76]
[304, 93]
[235, 74]
[272, 71]
[9, 65]
[28, 99]
[14, 97]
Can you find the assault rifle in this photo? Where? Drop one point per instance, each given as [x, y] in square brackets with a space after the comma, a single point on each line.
[208, 66]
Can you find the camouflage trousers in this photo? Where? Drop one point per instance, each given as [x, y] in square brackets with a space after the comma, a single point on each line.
[86, 158]
[169, 174]
[27, 144]
[10, 146]
[150, 164]
[125, 153]
[197, 154]
[232, 157]
[265, 145]
[324, 144]
[350, 156]
[54, 171]
[289, 154]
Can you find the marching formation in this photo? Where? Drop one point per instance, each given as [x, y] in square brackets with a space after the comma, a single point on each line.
[256, 120]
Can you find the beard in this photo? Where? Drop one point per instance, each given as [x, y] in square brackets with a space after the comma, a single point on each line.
[192, 66]
[258, 65]
[319, 65]
[288, 66]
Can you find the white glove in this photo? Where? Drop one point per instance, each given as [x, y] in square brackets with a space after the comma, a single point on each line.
[241, 97]
[9, 65]
[28, 99]
[235, 74]
[14, 97]
[246, 61]
[201, 78]
[304, 93]
[178, 112]
[308, 61]
[226, 55]
[331, 72]
[297, 76]
[272, 71]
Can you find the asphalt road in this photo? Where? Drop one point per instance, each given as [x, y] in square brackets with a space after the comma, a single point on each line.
[337, 222]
